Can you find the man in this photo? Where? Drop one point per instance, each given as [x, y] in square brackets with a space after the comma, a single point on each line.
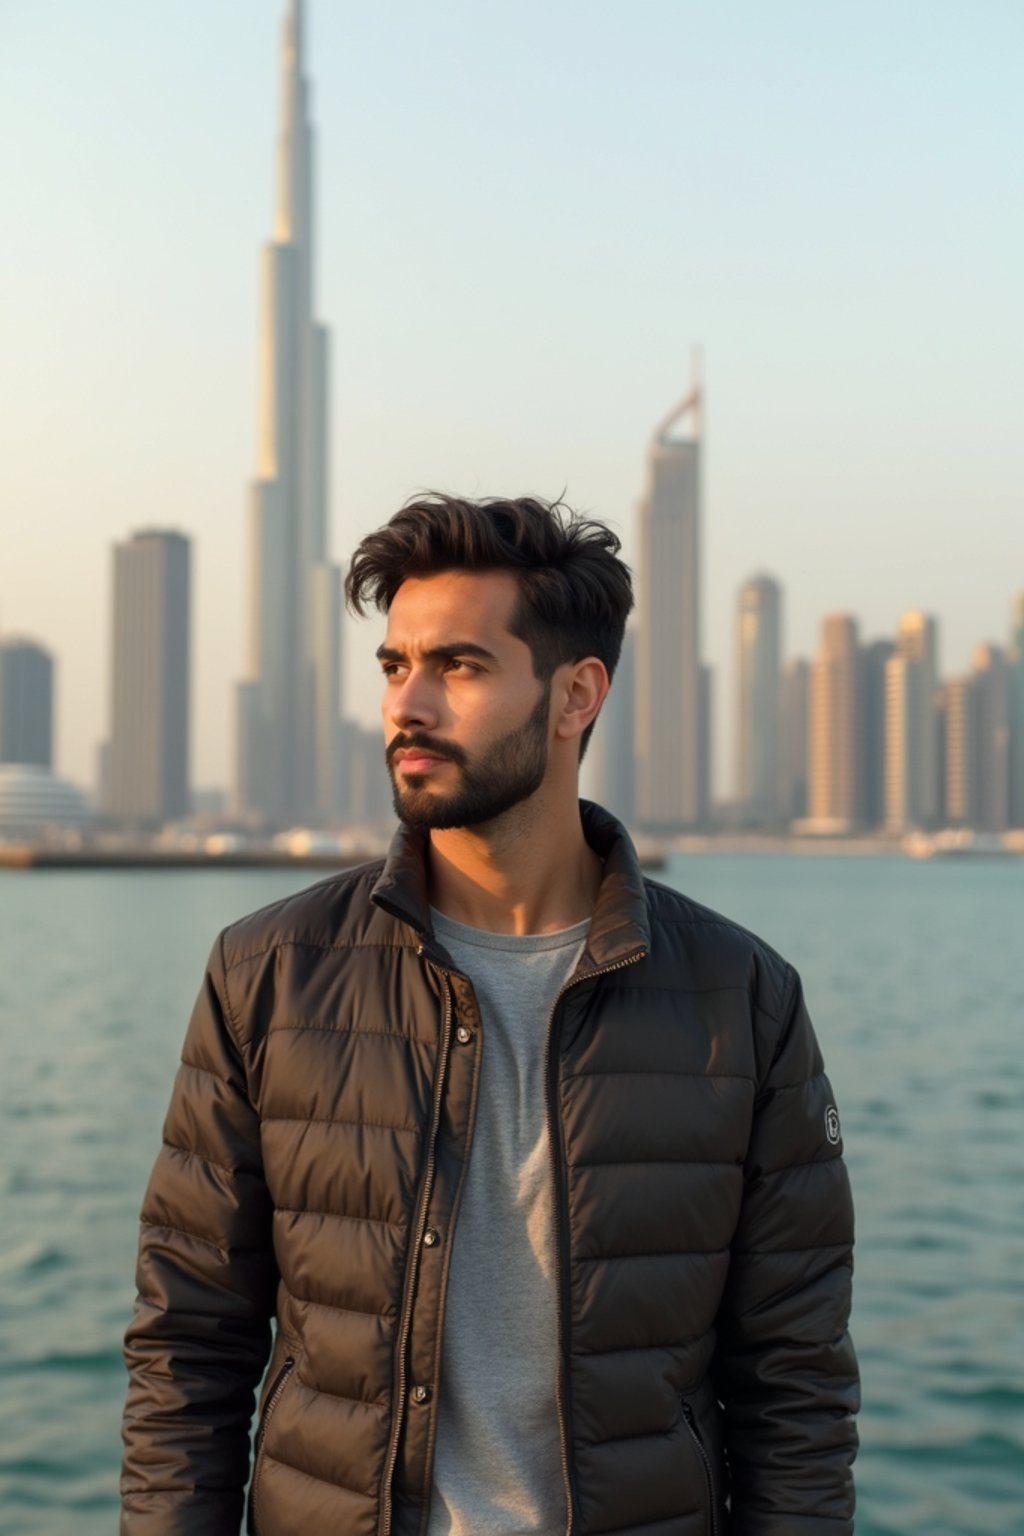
[532, 1160]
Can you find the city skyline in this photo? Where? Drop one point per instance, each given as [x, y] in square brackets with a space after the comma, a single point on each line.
[864, 737]
[863, 378]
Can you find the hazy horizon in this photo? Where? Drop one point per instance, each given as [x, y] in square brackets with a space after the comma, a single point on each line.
[525, 217]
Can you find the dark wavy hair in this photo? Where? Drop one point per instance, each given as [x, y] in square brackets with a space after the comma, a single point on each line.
[575, 594]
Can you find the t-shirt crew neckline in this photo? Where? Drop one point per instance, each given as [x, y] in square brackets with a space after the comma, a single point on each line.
[522, 943]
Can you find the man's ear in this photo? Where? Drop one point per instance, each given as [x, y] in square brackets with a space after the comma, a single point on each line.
[580, 687]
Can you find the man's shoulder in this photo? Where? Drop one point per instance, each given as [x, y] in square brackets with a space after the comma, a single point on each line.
[714, 950]
[334, 913]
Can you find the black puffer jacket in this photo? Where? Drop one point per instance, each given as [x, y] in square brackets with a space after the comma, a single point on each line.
[320, 1127]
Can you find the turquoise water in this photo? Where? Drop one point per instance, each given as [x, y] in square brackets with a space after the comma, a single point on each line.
[913, 974]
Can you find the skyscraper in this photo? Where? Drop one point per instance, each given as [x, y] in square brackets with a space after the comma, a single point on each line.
[26, 703]
[288, 708]
[904, 744]
[758, 661]
[147, 758]
[609, 762]
[706, 699]
[672, 748]
[990, 683]
[794, 713]
[835, 767]
[917, 640]
[874, 656]
[961, 805]
[1015, 658]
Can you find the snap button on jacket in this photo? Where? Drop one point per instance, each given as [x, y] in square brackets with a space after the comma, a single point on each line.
[298, 1223]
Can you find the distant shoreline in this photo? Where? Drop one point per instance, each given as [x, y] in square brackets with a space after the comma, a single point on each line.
[653, 852]
[42, 856]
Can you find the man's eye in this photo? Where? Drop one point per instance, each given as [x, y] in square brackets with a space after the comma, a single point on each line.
[463, 666]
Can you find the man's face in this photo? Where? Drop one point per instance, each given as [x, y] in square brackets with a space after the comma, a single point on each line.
[465, 719]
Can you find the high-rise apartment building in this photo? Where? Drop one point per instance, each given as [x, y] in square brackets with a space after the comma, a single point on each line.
[874, 657]
[835, 771]
[368, 791]
[904, 688]
[288, 709]
[147, 756]
[794, 716]
[1015, 658]
[672, 740]
[706, 695]
[917, 639]
[990, 684]
[609, 762]
[758, 664]
[940, 736]
[961, 752]
[26, 703]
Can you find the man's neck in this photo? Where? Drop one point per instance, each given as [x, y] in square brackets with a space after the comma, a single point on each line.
[530, 871]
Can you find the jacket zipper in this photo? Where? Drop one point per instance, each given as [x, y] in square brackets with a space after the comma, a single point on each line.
[555, 1158]
[280, 1382]
[421, 1226]
[695, 1435]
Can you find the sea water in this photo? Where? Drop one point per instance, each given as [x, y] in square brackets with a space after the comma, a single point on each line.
[914, 976]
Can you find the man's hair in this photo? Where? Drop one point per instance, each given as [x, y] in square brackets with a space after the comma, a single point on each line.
[574, 592]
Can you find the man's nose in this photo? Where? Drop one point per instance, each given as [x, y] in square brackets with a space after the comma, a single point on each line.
[413, 704]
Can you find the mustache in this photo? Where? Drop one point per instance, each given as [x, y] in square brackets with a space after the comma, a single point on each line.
[418, 739]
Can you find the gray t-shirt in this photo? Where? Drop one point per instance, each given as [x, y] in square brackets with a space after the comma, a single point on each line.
[497, 1463]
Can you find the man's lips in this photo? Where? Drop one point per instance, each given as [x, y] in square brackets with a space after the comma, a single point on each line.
[416, 760]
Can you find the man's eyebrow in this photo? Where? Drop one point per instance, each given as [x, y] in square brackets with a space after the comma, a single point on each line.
[440, 652]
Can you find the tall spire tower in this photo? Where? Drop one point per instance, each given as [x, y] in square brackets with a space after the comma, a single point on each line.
[288, 708]
[671, 688]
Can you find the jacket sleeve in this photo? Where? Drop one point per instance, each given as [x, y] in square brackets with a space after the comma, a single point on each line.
[199, 1338]
[786, 1371]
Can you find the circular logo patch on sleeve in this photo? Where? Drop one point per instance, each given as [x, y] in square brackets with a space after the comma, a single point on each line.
[832, 1125]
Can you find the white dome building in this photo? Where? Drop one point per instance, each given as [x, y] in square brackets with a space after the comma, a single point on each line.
[34, 801]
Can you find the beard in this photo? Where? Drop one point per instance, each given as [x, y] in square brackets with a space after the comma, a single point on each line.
[508, 771]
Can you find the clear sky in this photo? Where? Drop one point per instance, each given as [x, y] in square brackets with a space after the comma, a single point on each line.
[527, 213]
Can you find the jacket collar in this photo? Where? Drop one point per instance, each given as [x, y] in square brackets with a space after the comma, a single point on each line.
[619, 928]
